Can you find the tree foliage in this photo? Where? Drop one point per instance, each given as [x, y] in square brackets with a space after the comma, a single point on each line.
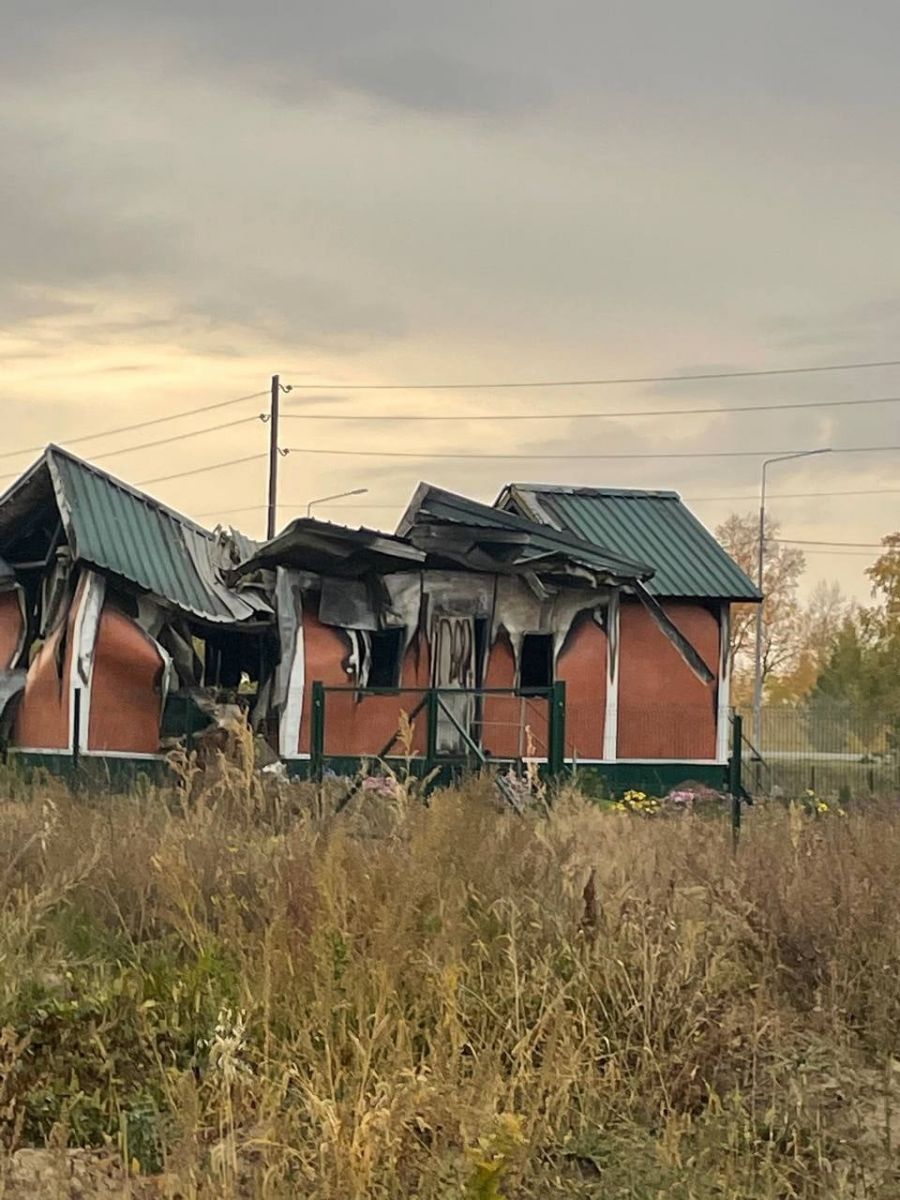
[783, 567]
[841, 657]
[818, 624]
[862, 670]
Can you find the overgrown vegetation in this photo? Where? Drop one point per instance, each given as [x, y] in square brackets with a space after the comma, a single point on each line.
[252, 997]
[839, 659]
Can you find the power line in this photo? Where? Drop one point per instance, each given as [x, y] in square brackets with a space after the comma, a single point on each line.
[842, 553]
[213, 512]
[200, 470]
[572, 457]
[178, 437]
[556, 383]
[688, 499]
[610, 382]
[829, 543]
[89, 437]
[575, 416]
[798, 495]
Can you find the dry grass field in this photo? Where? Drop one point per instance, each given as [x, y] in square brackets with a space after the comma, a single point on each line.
[244, 995]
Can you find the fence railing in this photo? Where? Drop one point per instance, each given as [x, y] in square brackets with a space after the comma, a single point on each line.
[821, 749]
[438, 726]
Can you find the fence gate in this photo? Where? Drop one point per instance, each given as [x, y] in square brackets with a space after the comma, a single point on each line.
[351, 725]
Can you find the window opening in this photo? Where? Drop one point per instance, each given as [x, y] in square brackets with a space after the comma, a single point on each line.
[386, 653]
[536, 666]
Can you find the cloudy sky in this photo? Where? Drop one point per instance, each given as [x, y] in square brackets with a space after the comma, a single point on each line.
[199, 194]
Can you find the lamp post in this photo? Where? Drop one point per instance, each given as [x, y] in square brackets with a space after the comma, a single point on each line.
[339, 496]
[758, 674]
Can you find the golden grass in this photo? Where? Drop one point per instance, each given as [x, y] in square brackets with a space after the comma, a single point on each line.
[252, 997]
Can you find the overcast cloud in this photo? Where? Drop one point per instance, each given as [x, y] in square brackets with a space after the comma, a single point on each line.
[198, 194]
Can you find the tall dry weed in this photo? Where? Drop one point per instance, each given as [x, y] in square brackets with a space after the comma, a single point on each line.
[264, 1001]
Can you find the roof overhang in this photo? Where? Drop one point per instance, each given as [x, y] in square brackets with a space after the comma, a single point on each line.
[324, 548]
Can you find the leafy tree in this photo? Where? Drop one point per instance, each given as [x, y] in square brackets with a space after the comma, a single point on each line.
[782, 568]
[819, 623]
[862, 671]
[885, 576]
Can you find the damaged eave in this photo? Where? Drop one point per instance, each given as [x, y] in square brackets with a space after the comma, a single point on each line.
[319, 546]
[436, 507]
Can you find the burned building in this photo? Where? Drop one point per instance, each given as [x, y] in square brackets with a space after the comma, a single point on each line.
[111, 604]
[495, 636]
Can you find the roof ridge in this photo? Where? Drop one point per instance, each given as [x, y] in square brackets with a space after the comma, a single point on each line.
[594, 490]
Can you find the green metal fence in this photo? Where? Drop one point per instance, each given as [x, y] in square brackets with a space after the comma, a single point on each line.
[455, 728]
[825, 749]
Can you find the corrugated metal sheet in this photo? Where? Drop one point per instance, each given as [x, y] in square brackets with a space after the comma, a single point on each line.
[656, 527]
[320, 546]
[118, 529]
[432, 503]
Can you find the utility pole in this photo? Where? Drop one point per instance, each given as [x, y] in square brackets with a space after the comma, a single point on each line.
[273, 458]
[760, 575]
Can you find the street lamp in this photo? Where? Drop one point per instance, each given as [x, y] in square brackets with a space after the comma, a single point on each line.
[757, 674]
[339, 496]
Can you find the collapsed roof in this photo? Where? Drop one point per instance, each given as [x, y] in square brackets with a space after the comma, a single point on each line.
[323, 548]
[443, 530]
[122, 532]
[550, 537]
[463, 532]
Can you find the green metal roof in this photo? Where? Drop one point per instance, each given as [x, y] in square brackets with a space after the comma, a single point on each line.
[656, 527]
[118, 529]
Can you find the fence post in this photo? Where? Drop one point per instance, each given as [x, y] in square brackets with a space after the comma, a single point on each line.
[431, 728]
[735, 785]
[556, 749]
[76, 728]
[317, 731]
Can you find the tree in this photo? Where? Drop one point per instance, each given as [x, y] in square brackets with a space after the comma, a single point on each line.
[885, 576]
[782, 568]
[862, 670]
[819, 623]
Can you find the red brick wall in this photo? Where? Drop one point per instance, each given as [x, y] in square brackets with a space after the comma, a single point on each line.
[665, 711]
[125, 688]
[356, 727]
[582, 667]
